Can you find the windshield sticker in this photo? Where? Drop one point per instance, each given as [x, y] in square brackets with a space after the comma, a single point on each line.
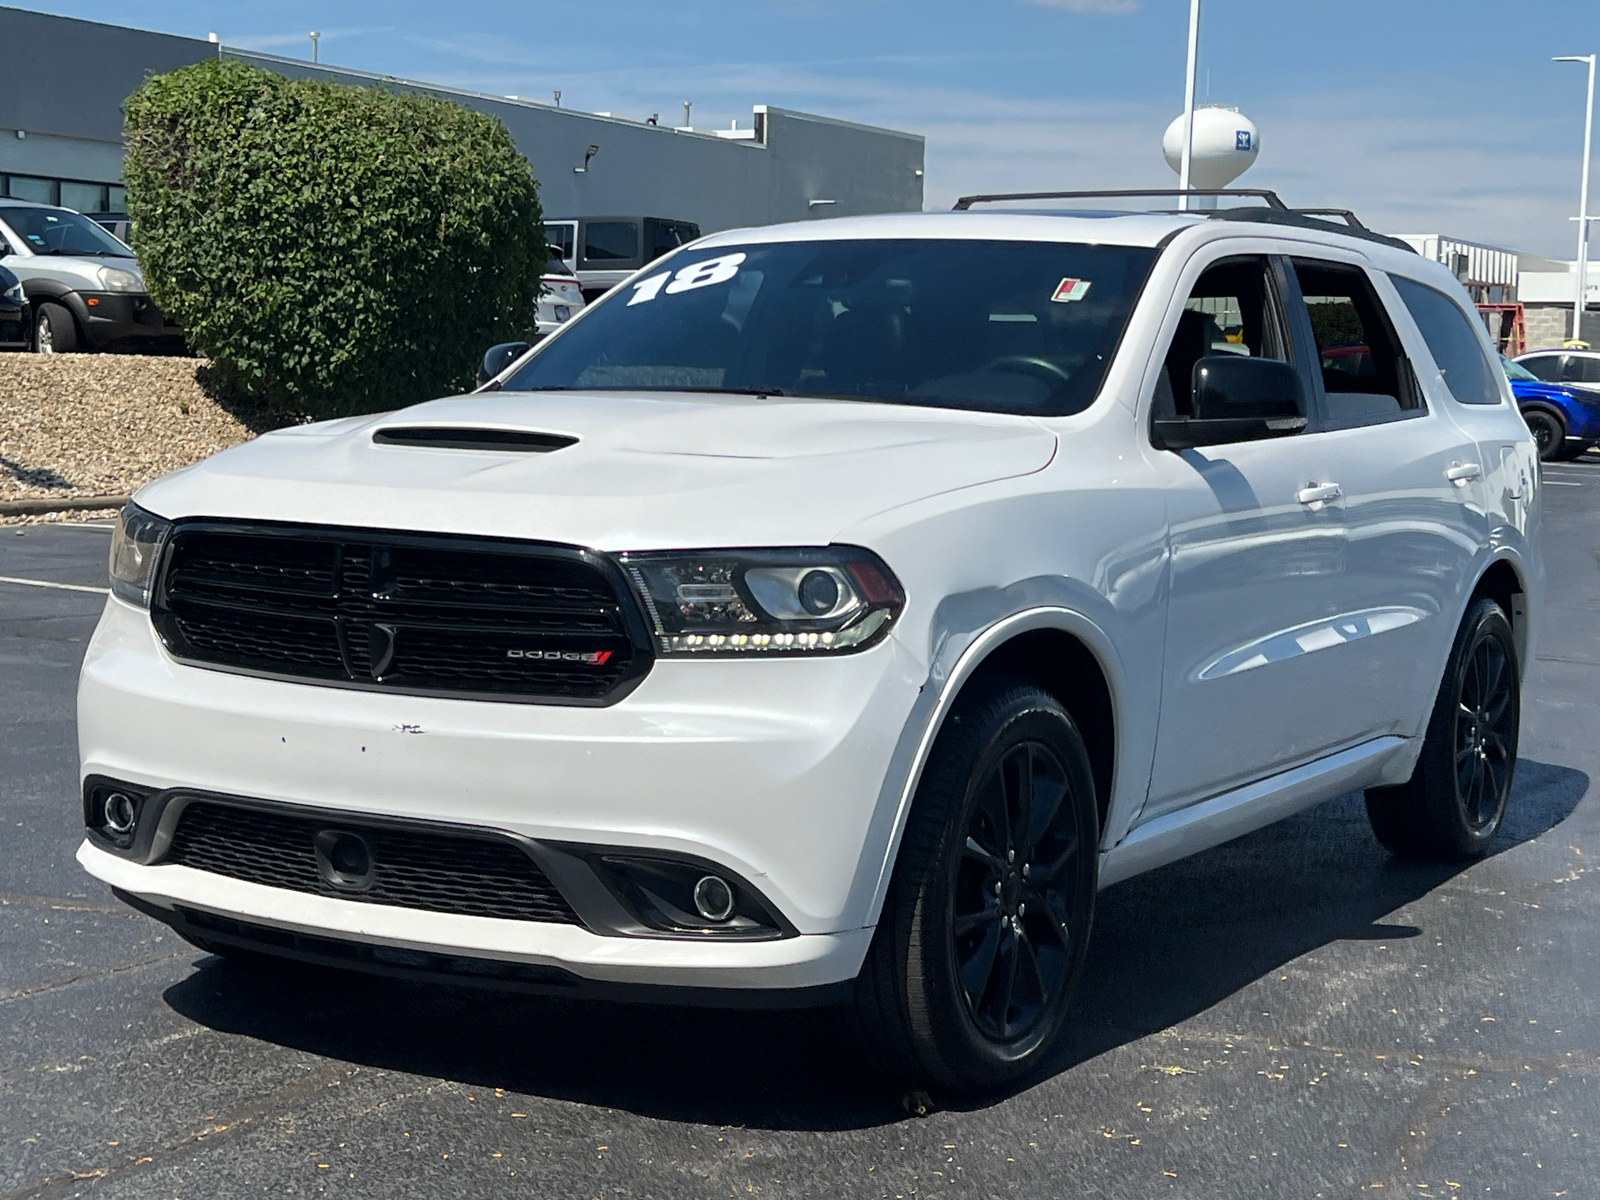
[1069, 290]
[695, 275]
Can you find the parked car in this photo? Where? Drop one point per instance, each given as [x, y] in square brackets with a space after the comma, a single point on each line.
[561, 300]
[13, 313]
[807, 626]
[85, 290]
[1574, 373]
[117, 224]
[603, 251]
[1564, 417]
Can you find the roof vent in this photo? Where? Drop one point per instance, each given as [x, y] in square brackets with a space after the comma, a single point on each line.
[455, 437]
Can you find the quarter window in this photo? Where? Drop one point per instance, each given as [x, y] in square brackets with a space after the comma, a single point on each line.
[560, 236]
[1452, 341]
[1357, 348]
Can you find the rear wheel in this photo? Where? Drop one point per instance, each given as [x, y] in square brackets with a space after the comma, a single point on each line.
[1549, 431]
[985, 926]
[1454, 802]
[54, 331]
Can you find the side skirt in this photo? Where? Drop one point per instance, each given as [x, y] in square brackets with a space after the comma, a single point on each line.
[1209, 823]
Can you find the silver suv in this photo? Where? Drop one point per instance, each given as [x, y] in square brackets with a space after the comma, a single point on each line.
[84, 288]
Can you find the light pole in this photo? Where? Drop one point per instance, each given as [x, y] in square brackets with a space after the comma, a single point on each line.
[1189, 104]
[1583, 198]
[315, 38]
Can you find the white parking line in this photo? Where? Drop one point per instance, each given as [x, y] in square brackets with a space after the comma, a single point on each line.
[66, 587]
[1561, 483]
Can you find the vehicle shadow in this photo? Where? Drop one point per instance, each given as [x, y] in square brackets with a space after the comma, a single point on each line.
[1166, 947]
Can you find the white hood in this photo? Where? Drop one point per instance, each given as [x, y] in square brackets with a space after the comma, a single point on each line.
[647, 472]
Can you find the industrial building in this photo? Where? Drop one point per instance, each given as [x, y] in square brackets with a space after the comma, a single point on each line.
[64, 144]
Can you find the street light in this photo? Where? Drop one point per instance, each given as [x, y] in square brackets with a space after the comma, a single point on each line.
[1583, 197]
[1188, 106]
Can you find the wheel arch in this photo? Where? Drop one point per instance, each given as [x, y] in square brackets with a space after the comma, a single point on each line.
[1502, 581]
[1053, 648]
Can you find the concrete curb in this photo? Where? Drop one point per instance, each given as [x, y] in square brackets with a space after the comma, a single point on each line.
[33, 506]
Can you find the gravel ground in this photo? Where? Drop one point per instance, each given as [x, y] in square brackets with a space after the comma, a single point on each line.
[75, 425]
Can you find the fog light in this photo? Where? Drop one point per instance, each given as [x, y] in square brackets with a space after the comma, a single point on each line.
[713, 898]
[120, 812]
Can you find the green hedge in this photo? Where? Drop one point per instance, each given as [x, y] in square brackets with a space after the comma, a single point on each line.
[333, 249]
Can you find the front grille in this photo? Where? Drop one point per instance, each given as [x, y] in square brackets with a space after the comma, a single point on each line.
[399, 612]
[421, 868]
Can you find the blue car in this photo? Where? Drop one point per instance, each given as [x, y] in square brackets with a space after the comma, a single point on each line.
[1563, 416]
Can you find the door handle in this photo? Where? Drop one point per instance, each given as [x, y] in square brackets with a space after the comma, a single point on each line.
[1463, 472]
[1315, 493]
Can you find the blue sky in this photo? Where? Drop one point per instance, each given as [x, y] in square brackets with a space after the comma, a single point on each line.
[1422, 115]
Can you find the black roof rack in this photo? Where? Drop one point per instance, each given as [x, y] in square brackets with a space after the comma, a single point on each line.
[1274, 212]
[1271, 198]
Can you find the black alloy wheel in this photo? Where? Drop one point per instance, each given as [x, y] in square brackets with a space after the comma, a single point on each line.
[1013, 894]
[986, 923]
[1549, 432]
[1453, 805]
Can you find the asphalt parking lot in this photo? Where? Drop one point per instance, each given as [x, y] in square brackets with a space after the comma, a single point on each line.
[1291, 1015]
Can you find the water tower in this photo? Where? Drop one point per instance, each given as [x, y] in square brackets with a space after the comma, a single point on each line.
[1225, 144]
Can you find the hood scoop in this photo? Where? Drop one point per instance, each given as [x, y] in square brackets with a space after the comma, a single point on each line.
[458, 437]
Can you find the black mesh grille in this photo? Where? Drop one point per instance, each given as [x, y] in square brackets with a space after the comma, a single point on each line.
[412, 868]
[400, 612]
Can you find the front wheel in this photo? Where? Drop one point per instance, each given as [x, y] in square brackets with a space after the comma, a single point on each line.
[986, 922]
[54, 331]
[1549, 432]
[1453, 804]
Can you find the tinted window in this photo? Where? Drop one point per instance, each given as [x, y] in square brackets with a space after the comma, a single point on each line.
[664, 236]
[1580, 368]
[1452, 341]
[887, 320]
[610, 241]
[56, 231]
[1518, 371]
[1357, 348]
[1545, 367]
[560, 237]
[1232, 309]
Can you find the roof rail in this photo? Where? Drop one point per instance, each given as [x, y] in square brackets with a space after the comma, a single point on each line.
[966, 202]
[1312, 218]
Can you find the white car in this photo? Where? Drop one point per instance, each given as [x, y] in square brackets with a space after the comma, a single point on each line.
[560, 300]
[805, 624]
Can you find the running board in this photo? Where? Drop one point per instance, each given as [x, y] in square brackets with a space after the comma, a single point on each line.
[1233, 814]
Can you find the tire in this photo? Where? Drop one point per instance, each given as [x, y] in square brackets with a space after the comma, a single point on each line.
[54, 330]
[1455, 800]
[1549, 431]
[1570, 449]
[985, 925]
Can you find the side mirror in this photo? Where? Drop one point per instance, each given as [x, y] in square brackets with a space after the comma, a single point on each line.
[498, 358]
[1237, 399]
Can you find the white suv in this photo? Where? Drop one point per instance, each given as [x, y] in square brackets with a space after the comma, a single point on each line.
[827, 614]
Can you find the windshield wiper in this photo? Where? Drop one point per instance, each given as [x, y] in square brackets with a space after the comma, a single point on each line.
[83, 254]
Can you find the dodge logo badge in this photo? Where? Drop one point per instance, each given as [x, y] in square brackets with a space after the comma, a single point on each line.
[594, 658]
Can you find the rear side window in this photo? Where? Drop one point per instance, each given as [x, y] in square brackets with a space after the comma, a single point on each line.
[1452, 341]
[610, 241]
[665, 236]
[1543, 367]
[1357, 348]
[560, 236]
[1580, 368]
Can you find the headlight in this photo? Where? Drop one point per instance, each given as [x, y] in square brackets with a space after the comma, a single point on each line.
[14, 293]
[114, 279]
[135, 551]
[765, 602]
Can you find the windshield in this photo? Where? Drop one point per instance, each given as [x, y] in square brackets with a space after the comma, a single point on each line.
[1019, 327]
[58, 231]
[1517, 370]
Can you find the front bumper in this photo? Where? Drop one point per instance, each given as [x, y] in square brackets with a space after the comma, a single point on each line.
[774, 769]
[117, 319]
